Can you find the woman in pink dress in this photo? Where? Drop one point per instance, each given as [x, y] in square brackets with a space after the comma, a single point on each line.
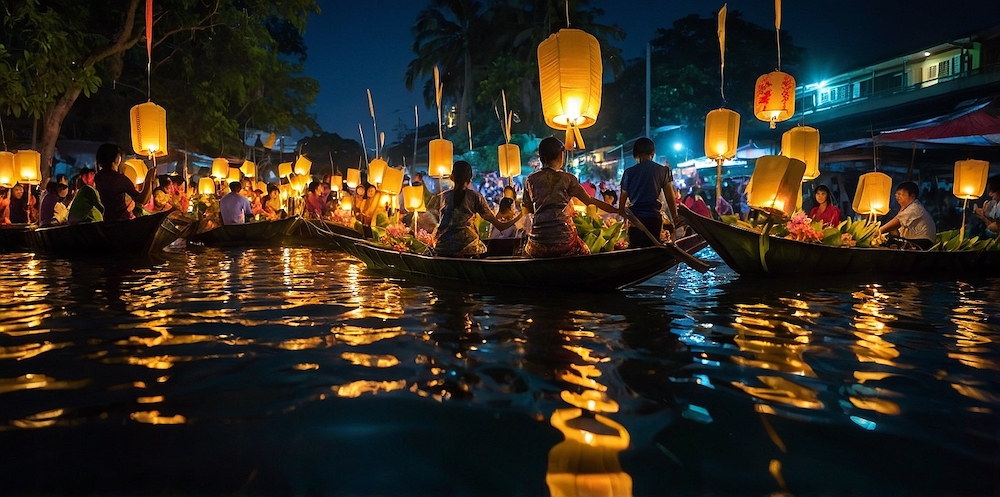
[824, 211]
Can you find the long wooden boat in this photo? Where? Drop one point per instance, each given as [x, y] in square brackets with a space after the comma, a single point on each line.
[143, 235]
[748, 254]
[260, 233]
[14, 237]
[596, 272]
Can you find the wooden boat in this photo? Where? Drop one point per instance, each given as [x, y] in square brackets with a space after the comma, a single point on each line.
[14, 237]
[595, 272]
[333, 236]
[749, 254]
[143, 235]
[260, 233]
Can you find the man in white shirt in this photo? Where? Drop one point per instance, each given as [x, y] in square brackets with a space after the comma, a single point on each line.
[233, 207]
[914, 223]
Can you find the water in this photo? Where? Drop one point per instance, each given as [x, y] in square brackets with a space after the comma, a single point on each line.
[297, 371]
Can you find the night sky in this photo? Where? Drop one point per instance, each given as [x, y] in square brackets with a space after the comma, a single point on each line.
[367, 44]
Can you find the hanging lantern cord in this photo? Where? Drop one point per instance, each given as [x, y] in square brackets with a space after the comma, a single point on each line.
[567, 13]
[3, 135]
[777, 34]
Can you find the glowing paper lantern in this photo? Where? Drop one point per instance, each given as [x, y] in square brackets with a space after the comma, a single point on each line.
[802, 143]
[872, 196]
[353, 178]
[7, 175]
[149, 130]
[249, 169]
[774, 97]
[336, 182]
[392, 181]
[510, 160]
[776, 182]
[206, 186]
[234, 175]
[570, 75]
[722, 134]
[28, 164]
[413, 198]
[970, 178]
[220, 169]
[303, 166]
[285, 191]
[135, 170]
[442, 157]
[261, 186]
[376, 169]
[346, 204]
[271, 139]
[284, 169]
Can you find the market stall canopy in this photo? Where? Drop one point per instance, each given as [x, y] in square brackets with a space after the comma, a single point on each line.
[975, 124]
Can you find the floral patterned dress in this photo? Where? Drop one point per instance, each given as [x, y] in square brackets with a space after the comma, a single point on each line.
[553, 233]
[455, 234]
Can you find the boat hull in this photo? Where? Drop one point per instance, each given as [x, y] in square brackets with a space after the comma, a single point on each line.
[261, 233]
[143, 235]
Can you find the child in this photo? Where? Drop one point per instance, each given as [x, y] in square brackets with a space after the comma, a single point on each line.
[506, 212]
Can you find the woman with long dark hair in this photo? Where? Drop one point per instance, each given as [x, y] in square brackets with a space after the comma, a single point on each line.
[825, 210]
[455, 234]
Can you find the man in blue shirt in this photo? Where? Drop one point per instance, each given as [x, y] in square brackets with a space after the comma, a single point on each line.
[641, 187]
[233, 207]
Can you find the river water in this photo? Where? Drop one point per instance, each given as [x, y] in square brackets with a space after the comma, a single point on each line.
[298, 371]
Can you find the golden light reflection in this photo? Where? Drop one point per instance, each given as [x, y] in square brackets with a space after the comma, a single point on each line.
[586, 462]
[976, 393]
[306, 343]
[29, 350]
[355, 335]
[306, 366]
[784, 391]
[358, 388]
[40, 420]
[590, 400]
[38, 382]
[155, 362]
[878, 405]
[369, 360]
[150, 400]
[974, 361]
[154, 418]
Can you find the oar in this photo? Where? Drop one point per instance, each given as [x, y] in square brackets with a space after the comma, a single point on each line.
[679, 254]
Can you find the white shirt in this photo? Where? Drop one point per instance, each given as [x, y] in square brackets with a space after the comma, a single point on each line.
[915, 223]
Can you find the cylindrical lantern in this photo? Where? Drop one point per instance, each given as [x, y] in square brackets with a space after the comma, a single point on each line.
[28, 164]
[8, 176]
[284, 169]
[206, 186]
[234, 175]
[353, 178]
[510, 160]
[413, 198]
[135, 170]
[392, 181]
[872, 196]
[303, 166]
[220, 168]
[376, 169]
[285, 191]
[336, 182]
[442, 157]
[776, 182]
[346, 204]
[774, 97]
[970, 178]
[149, 130]
[570, 75]
[261, 186]
[802, 143]
[249, 169]
[722, 134]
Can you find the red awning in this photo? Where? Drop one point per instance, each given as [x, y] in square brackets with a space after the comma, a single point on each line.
[978, 124]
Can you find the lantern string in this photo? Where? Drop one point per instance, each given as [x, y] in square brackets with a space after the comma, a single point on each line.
[438, 89]
[149, 48]
[3, 136]
[416, 133]
[567, 12]
[470, 135]
[364, 147]
[722, 52]
[777, 28]
[371, 109]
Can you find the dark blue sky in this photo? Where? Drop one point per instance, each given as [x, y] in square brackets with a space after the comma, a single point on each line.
[354, 45]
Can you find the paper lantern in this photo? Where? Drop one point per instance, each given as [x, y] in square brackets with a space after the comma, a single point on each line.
[376, 169]
[510, 160]
[284, 169]
[135, 170]
[249, 169]
[206, 186]
[336, 182]
[776, 182]
[346, 204]
[392, 181]
[441, 157]
[774, 97]
[28, 164]
[234, 175]
[220, 169]
[586, 461]
[303, 166]
[413, 198]
[872, 196]
[970, 178]
[261, 186]
[722, 134]
[570, 75]
[285, 192]
[149, 130]
[8, 178]
[353, 178]
[270, 141]
[802, 143]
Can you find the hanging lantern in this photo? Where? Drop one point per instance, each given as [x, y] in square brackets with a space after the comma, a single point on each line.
[722, 133]
[249, 169]
[234, 175]
[442, 157]
[220, 169]
[872, 196]
[802, 143]
[135, 170]
[413, 198]
[303, 166]
[336, 182]
[8, 178]
[28, 164]
[284, 169]
[206, 186]
[270, 141]
[261, 186]
[774, 97]
[970, 178]
[376, 169]
[149, 130]
[392, 181]
[353, 178]
[510, 160]
[570, 78]
[776, 182]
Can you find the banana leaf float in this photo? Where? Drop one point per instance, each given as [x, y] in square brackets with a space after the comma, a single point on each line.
[750, 253]
[143, 235]
[259, 233]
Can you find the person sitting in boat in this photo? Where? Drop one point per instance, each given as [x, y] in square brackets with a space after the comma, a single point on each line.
[547, 192]
[314, 201]
[824, 210]
[160, 201]
[914, 224]
[54, 194]
[456, 236]
[697, 204]
[114, 186]
[178, 196]
[272, 206]
[86, 206]
[989, 213]
[611, 197]
[506, 212]
[641, 188]
[20, 207]
[233, 207]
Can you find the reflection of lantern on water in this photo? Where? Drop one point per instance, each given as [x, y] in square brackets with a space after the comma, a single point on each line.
[776, 182]
[586, 462]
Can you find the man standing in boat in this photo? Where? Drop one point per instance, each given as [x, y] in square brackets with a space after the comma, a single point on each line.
[914, 223]
[233, 207]
[113, 185]
[641, 187]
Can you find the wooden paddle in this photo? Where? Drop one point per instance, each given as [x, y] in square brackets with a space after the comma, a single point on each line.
[692, 261]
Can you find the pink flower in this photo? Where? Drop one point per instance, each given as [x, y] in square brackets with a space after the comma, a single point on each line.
[426, 238]
[397, 231]
[621, 244]
[847, 240]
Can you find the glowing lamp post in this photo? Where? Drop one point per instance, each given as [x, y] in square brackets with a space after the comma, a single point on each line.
[776, 181]
[7, 175]
[149, 130]
[570, 75]
[970, 181]
[774, 97]
[872, 196]
[722, 132]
